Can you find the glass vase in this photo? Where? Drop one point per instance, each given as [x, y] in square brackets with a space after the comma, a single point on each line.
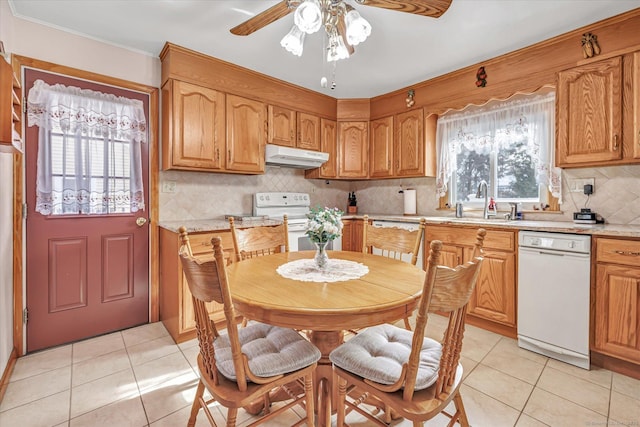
[321, 258]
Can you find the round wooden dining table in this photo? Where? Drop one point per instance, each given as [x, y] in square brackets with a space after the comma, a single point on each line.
[386, 293]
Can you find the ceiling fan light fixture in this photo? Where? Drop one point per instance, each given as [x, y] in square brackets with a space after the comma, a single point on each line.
[336, 48]
[294, 41]
[308, 16]
[358, 28]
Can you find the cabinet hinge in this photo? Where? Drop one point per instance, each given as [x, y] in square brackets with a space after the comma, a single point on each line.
[25, 316]
[24, 105]
[24, 211]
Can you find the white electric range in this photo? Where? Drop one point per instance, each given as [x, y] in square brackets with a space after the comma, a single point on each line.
[296, 206]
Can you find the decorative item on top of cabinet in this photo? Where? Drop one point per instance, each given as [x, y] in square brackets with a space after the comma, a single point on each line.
[353, 141]
[590, 46]
[193, 127]
[617, 299]
[246, 134]
[481, 77]
[493, 303]
[328, 144]
[590, 114]
[410, 98]
[10, 109]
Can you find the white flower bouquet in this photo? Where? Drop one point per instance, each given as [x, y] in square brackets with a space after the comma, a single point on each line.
[324, 225]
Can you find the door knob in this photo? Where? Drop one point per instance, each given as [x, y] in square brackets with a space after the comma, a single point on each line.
[141, 221]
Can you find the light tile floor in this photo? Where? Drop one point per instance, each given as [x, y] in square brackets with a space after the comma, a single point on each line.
[139, 377]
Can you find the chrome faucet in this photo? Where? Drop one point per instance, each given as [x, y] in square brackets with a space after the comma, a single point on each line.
[484, 191]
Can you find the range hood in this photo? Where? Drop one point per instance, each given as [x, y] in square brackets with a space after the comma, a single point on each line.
[294, 157]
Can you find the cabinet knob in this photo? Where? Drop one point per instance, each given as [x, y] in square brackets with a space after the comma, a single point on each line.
[615, 142]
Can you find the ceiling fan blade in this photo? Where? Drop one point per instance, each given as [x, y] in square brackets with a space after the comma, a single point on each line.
[262, 19]
[432, 8]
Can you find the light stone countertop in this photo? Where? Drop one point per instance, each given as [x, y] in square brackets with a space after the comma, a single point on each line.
[613, 230]
[204, 225]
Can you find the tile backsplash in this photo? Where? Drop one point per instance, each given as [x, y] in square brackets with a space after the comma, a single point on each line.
[197, 195]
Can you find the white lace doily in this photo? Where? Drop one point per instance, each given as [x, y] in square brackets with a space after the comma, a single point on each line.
[337, 270]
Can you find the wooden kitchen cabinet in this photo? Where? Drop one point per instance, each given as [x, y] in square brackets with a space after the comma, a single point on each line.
[493, 303]
[617, 299]
[353, 142]
[193, 127]
[282, 126]
[403, 145]
[294, 129]
[381, 148]
[246, 134]
[176, 307]
[598, 108]
[352, 235]
[328, 144]
[10, 109]
[308, 131]
[409, 144]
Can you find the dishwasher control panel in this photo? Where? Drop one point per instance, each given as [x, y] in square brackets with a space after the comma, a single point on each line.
[555, 241]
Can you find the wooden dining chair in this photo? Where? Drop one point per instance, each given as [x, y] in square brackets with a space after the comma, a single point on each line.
[258, 241]
[409, 375]
[393, 242]
[242, 366]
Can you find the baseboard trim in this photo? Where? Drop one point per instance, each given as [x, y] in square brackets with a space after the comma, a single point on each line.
[616, 365]
[507, 331]
[6, 375]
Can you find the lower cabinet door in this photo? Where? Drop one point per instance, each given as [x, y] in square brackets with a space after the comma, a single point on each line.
[494, 297]
[617, 313]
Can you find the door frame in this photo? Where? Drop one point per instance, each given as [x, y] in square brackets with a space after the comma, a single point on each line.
[19, 283]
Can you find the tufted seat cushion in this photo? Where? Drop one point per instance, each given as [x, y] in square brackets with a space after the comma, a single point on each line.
[379, 352]
[271, 350]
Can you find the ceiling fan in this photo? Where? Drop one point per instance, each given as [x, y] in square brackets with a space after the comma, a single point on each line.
[431, 8]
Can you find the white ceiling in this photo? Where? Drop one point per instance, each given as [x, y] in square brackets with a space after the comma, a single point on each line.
[402, 50]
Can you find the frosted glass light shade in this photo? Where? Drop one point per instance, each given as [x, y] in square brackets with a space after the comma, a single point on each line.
[308, 16]
[337, 49]
[294, 40]
[358, 28]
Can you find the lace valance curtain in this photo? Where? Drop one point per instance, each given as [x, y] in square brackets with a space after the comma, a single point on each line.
[530, 121]
[101, 136]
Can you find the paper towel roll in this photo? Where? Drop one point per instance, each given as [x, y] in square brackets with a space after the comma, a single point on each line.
[410, 202]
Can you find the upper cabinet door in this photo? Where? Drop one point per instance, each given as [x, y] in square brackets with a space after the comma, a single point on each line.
[246, 134]
[308, 132]
[352, 149]
[409, 143]
[329, 136]
[195, 117]
[589, 109]
[282, 126]
[381, 148]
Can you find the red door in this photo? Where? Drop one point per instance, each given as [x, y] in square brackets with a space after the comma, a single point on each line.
[86, 274]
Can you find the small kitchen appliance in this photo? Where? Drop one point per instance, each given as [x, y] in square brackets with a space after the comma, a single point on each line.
[585, 216]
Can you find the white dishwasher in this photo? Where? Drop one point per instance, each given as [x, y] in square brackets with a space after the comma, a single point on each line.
[405, 226]
[553, 295]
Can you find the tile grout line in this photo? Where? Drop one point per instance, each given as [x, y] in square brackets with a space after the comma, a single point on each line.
[133, 371]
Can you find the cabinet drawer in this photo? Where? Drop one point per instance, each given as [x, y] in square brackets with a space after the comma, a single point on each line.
[615, 251]
[503, 240]
[201, 243]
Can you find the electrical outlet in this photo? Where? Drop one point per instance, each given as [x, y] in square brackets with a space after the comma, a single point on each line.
[576, 185]
[169, 187]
